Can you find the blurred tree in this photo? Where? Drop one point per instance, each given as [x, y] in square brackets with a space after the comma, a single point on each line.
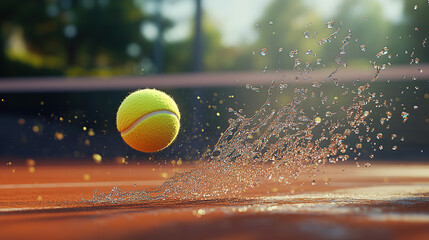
[416, 30]
[290, 25]
[75, 37]
[280, 31]
[198, 48]
[15, 18]
[216, 57]
[369, 28]
[284, 24]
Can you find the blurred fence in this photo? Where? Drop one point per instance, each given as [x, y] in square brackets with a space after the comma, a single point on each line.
[196, 80]
[73, 118]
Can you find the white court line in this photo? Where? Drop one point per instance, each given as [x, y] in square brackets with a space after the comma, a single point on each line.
[26, 208]
[79, 184]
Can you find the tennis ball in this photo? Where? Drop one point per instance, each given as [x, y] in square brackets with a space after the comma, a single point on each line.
[148, 120]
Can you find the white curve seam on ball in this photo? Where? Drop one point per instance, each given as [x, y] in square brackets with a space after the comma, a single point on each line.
[146, 116]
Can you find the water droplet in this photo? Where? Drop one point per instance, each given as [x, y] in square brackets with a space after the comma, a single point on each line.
[316, 85]
[416, 107]
[384, 51]
[379, 135]
[308, 52]
[297, 63]
[394, 148]
[257, 26]
[280, 49]
[393, 136]
[363, 48]
[318, 61]
[306, 34]
[329, 114]
[248, 86]
[415, 7]
[293, 53]
[264, 51]
[282, 86]
[404, 116]
[389, 114]
[330, 24]
[271, 22]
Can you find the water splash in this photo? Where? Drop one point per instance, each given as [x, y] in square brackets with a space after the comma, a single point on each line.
[275, 145]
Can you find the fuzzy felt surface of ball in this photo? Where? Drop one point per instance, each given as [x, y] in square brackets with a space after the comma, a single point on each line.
[148, 120]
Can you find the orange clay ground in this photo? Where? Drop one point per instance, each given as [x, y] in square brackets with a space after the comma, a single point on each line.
[384, 201]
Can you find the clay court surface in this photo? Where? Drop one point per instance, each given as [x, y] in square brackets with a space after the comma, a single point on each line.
[384, 201]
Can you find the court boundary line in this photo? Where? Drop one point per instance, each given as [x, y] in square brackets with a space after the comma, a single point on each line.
[79, 184]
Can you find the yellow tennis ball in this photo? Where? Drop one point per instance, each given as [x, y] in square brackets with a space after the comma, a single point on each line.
[148, 120]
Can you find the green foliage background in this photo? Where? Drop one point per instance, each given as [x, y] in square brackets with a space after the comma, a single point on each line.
[106, 28]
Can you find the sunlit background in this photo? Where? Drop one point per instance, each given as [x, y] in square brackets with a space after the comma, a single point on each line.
[100, 40]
